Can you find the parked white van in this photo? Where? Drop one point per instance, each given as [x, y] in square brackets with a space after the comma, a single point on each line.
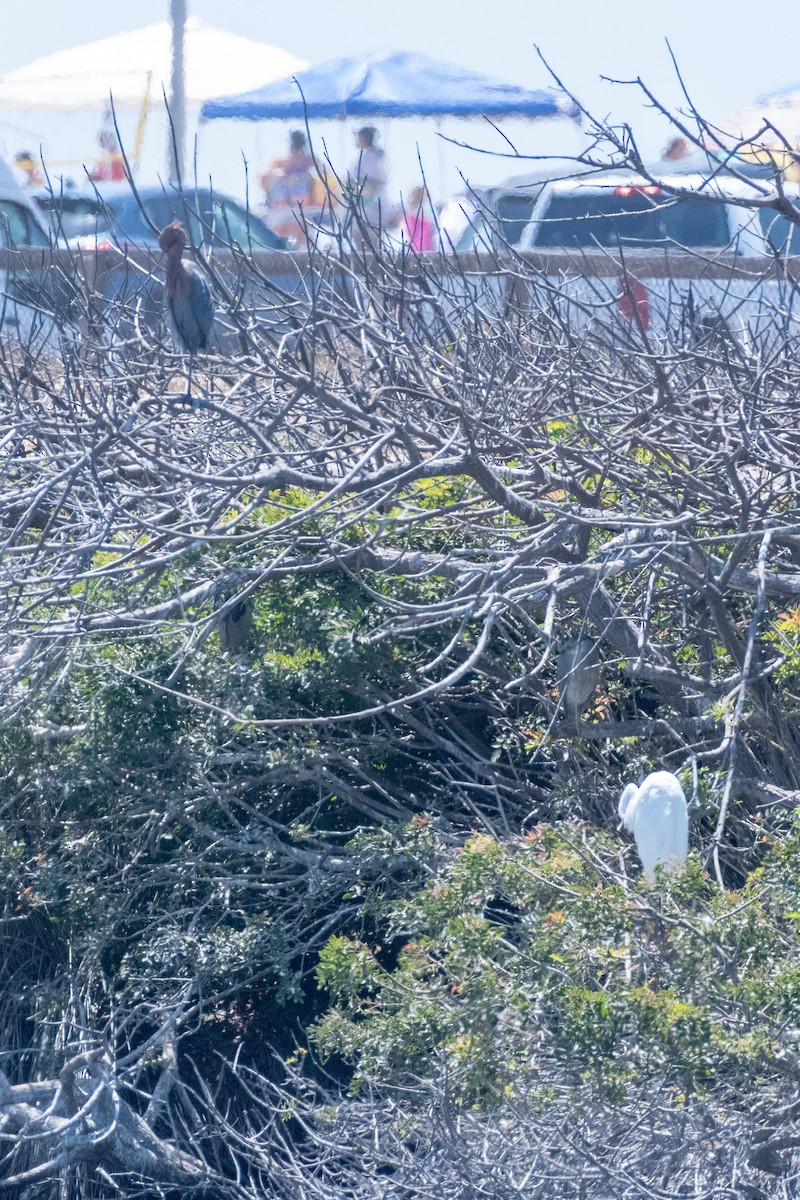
[685, 248]
[622, 210]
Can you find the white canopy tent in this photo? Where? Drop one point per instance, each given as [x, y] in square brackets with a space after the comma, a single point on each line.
[773, 120]
[56, 103]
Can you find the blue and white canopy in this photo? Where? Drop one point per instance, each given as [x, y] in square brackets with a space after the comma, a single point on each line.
[401, 84]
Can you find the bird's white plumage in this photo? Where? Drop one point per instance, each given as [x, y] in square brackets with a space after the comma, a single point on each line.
[628, 793]
[657, 816]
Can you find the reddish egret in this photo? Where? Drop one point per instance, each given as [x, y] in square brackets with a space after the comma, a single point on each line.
[190, 309]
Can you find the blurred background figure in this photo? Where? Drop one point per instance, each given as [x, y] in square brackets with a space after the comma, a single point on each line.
[369, 167]
[676, 149]
[288, 184]
[418, 225]
[29, 172]
[110, 166]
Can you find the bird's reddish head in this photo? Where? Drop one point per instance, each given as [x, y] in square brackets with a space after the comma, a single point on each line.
[172, 237]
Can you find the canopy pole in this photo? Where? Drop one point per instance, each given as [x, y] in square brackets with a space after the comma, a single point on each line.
[177, 99]
[440, 160]
[141, 124]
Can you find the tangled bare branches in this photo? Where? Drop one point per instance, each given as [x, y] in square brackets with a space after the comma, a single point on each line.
[400, 487]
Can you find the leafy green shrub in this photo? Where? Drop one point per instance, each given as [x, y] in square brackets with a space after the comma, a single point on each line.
[533, 959]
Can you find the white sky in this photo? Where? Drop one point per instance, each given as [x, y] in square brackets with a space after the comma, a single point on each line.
[729, 52]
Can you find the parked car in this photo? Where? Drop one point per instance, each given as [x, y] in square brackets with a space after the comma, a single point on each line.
[68, 214]
[114, 216]
[492, 220]
[593, 224]
[495, 218]
[32, 296]
[619, 209]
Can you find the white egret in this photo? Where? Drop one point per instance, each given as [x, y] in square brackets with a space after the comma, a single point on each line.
[657, 816]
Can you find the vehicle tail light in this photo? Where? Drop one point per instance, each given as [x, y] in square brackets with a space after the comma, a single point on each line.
[634, 302]
[647, 189]
[90, 243]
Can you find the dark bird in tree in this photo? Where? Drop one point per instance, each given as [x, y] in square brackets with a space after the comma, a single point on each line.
[578, 673]
[187, 298]
[234, 626]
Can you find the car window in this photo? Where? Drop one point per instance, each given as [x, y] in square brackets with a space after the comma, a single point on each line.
[18, 226]
[231, 223]
[228, 224]
[476, 237]
[513, 213]
[782, 236]
[210, 220]
[637, 217]
[164, 209]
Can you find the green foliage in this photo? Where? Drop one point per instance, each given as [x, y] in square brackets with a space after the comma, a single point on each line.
[532, 957]
[784, 636]
[144, 836]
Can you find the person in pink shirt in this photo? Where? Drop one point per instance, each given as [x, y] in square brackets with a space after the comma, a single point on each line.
[418, 227]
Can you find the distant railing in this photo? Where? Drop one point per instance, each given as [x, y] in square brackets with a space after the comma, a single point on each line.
[595, 263]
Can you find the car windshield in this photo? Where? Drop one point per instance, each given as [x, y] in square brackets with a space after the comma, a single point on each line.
[18, 226]
[74, 216]
[208, 218]
[234, 224]
[633, 216]
[211, 218]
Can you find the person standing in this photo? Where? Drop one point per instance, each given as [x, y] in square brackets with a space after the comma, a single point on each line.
[28, 169]
[287, 185]
[369, 169]
[110, 166]
[418, 226]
